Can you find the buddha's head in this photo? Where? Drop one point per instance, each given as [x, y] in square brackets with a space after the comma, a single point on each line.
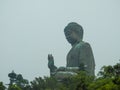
[73, 33]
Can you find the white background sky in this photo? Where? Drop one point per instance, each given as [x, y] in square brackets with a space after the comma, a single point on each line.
[31, 29]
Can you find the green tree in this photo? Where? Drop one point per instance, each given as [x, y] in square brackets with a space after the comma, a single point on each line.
[50, 82]
[2, 87]
[21, 82]
[108, 78]
[38, 84]
[18, 80]
[14, 87]
[110, 71]
[103, 84]
[81, 81]
[107, 72]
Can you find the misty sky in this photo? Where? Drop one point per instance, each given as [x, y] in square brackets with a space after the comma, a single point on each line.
[31, 29]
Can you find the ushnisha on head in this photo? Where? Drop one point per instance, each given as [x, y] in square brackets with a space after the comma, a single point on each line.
[73, 33]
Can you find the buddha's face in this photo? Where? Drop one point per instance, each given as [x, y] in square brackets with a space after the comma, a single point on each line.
[71, 36]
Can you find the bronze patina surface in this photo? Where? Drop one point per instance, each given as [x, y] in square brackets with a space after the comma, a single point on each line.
[80, 55]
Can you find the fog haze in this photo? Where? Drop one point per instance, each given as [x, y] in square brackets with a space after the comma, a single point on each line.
[32, 29]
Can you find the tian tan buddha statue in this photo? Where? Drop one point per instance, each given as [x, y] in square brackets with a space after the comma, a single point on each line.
[79, 58]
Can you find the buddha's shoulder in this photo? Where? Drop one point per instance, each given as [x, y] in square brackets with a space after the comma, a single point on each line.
[83, 44]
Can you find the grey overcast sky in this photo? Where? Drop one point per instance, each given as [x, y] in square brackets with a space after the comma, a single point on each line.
[31, 29]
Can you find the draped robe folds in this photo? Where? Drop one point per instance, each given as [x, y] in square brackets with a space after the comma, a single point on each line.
[81, 53]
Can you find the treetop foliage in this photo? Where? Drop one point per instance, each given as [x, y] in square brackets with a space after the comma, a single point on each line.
[108, 78]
